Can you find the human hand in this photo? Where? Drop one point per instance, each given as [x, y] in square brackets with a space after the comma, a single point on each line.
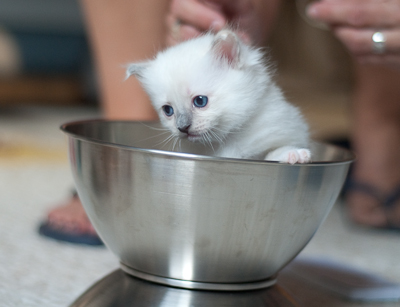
[252, 19]
[355, 22]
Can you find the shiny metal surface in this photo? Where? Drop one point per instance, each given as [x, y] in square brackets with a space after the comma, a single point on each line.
[198, 218]
[194, 285]
[120, 290]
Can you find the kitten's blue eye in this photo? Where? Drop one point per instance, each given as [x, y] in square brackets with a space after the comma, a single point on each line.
[168, 110]
[200, 101]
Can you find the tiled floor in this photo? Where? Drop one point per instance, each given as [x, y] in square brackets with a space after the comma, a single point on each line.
[34, 176]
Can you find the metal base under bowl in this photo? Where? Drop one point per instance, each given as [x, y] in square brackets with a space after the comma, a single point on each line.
[192, 285]
[119, 289]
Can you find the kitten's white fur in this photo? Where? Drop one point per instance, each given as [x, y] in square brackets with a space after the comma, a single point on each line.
[246, 116]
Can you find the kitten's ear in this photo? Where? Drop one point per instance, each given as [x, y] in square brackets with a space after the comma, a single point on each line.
[136, 69]
[226, 46]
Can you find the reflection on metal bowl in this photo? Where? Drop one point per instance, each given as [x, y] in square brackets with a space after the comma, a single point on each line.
[191, 220]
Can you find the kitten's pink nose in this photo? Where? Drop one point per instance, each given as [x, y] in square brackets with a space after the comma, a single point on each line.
[184, 129]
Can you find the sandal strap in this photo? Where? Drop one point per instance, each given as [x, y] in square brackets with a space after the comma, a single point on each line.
[388, 201]
[392, 198]
[365, 188]
[74, 193]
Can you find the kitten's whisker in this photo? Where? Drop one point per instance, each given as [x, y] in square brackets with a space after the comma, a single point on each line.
[172, 139]
[166, 141]
[220, 135]
[217, 137]
[224, 132]
[153, 136]
[209, 140]
[203, 140]
[175, 142]
[154, 128]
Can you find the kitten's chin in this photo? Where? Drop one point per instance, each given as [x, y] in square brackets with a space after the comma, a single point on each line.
[194, 137]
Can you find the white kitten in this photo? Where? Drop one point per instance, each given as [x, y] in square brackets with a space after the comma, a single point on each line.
[217, 90]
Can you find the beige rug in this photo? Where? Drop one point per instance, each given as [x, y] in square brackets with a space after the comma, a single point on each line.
[34, 176]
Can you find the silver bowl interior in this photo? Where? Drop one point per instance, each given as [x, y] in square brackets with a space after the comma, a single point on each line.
[189, 217]
[151, 137]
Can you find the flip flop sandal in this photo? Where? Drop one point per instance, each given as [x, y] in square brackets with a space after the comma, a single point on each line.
[50, 231]
[387, 201]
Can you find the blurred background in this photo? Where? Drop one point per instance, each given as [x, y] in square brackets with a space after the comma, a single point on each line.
[44, 55]
[46, 79]
[45, 60]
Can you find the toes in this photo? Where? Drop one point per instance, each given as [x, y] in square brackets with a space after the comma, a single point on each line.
[304, 155]
[296, 156]
[70, 218]
[292, 157]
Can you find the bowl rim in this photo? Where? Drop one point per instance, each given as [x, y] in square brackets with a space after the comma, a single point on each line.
[64, 128]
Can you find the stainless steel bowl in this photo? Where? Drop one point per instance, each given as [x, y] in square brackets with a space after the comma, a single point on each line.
[191, 220]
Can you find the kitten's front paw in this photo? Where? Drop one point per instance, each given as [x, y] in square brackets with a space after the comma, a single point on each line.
[290, 155]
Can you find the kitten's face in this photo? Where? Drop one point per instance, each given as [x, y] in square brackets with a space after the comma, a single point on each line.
[188, 98]
[194, 100]
[198, 94]
[191, 122]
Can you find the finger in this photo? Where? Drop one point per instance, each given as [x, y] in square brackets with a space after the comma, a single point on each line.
[185, 33]
[359, 41]
[178, 32]
[357, 13]
[392, 61]
[170, 41]
[189, 32]
[198, 15]
[244, 36]
[173, 34]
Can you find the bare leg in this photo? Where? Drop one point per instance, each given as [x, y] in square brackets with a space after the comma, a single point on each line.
[376, 140]
[121, 31]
